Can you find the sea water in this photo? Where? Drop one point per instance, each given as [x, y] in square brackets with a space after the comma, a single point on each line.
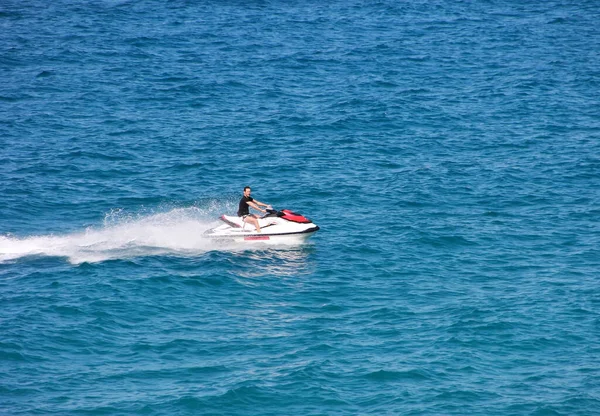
[449, 151]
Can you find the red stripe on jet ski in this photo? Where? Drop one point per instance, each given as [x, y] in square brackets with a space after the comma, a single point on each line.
[294, 217]
[256, 237]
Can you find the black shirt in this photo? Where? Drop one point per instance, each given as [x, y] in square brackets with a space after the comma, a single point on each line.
[244, 209]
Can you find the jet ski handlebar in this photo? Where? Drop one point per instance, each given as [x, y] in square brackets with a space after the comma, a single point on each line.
[270, 212]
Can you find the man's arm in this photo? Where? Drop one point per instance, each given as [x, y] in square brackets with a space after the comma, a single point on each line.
[255, 204]
[262, 204]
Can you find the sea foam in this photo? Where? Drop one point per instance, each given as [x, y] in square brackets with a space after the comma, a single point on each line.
[177, 232]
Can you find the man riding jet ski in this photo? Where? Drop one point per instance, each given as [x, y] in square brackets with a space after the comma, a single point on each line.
[279, 226]
[244, 209]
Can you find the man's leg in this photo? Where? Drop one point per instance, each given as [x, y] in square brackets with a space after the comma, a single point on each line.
[254, 221]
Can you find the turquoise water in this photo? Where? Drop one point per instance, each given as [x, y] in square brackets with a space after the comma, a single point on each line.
[449, 151]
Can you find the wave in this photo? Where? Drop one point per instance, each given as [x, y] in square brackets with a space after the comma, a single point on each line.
[177, 232]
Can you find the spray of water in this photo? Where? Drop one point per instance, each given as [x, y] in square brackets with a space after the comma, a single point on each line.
[175, 232]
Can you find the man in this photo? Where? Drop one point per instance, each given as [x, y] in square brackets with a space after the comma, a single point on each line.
[244, 210]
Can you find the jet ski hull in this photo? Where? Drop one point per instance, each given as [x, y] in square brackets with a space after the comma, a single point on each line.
[283, 228]
[249, 237]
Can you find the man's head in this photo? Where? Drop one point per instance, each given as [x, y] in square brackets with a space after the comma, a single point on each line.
[247, 191]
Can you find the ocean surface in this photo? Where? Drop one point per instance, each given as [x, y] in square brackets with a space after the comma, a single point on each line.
[449, 151]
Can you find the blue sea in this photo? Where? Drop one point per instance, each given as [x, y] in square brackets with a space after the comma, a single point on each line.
[448, 150]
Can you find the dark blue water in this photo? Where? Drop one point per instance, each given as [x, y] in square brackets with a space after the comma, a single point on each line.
[449, 151]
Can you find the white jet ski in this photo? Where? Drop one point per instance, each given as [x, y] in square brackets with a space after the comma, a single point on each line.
[283, 226]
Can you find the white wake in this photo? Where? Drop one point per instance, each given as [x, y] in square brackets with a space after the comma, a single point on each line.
[177, 232]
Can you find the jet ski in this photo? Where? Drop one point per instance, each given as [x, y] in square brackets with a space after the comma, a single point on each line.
[283, 226]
